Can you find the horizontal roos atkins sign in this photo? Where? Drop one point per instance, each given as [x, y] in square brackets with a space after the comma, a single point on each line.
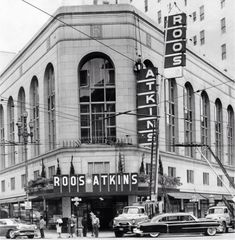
[97, 183]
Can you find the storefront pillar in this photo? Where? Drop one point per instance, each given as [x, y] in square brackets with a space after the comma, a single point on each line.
[66, 207]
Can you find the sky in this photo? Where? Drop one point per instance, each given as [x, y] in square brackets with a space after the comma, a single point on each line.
[19, 22]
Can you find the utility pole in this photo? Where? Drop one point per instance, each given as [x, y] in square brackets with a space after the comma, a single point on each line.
[23, 135]
[217, 160]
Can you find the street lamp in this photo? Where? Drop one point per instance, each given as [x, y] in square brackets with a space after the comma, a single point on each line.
[23, 135]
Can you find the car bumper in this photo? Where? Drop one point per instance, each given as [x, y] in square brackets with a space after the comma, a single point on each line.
[25, 233]
[124, 228]
[137, 231]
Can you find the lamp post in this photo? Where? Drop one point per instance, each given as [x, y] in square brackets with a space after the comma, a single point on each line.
[23, 135]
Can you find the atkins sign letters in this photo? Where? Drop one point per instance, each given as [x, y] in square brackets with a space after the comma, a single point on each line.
[96, 183]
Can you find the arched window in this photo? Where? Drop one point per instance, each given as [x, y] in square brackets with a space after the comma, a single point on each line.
[49, 80]
[34, 115]
[205, 122]
[230, 134]
[171, 114]
[188, 118]
[11, 131]
[21, 109]
[2, 139]
[218, 129]
[97, 99]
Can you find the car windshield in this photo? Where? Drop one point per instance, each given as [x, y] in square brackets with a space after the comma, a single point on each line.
[131, 210]
[216, 211]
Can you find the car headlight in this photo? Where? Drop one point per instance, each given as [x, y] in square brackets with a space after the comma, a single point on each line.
[114, 222]
[133, 221]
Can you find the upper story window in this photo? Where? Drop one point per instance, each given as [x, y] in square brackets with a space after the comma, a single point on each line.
[220, 181]
[218, 129]
[194, 16]
[49, 79]
[146, 5]
[21, 110]
[223, 25]
[2, 140]
[13, 183]
[190, 176]
[171, 114]
[51, 171]
[11, 131]
[159, 16]
[205, 178]
[3, 186]
[202, 13]
[205, 122]
[230, 134]
[188, 118]
[195, 40]
[36, 174]
[171, 171]
[98, 167]
[223, 52]
[23, 180]
[202, 37]
[222, 3]
[34, 100]
[97, 99]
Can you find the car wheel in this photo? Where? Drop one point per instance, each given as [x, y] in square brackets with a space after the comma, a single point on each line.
[118, 234]
[154, 235]
[11, 234]
[211, 231]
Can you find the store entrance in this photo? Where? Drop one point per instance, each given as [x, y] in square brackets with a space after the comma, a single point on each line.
[105, 208]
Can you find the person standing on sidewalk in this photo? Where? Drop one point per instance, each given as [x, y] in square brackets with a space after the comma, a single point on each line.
[72, 226]
[59, 223]
[96, 226]
[42, 225]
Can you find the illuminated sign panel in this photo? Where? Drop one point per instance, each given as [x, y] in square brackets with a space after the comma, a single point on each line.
[99, 183]
[146, 104]
[175, 45]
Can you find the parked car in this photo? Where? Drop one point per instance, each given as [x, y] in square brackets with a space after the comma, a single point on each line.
[128, 220]
[12, 228]
[177, 223]
[222, 214]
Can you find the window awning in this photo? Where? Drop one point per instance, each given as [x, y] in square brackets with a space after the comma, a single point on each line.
[197, 196]
[15, 199]
[186, 195]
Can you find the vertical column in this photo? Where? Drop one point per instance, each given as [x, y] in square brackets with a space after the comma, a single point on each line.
[66, 207]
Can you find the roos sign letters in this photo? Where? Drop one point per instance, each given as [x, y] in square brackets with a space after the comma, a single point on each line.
[175, 45]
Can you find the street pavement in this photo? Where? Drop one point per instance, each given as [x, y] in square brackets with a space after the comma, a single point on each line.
[51, 234]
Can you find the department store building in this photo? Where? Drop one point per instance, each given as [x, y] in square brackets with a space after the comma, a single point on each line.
[77, 81]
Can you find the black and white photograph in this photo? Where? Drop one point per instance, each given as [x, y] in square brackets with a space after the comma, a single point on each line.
[117, 119]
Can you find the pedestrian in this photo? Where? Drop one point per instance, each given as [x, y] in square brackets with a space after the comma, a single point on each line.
[92, 216]
[72, 224]
[84, 224]
[42, 225]
[96, 226]
[59, 223]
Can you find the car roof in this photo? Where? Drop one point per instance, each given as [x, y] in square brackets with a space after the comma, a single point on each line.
[173, 214]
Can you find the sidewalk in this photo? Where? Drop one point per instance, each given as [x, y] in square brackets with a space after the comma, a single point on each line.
[51, 234]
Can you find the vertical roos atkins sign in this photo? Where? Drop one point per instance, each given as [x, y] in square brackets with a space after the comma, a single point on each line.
[175, 45]
[146, 105]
